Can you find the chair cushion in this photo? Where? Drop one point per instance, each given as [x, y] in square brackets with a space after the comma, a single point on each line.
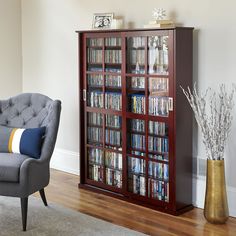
[10, 164]
[22, 141]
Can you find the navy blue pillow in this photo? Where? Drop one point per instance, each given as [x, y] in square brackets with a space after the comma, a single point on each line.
[24, 141]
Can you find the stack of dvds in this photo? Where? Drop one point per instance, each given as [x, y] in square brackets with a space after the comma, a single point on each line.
[113, 137]
[158, 106]
[95, 99]
[94, 135]
[138, 125]
[94, 56]
[95, 42]
[158, 190]
[113, 160]
[113, 81]
[136, 42]
[95, 80]
[158, 170]
[137, 141]
[158, 128]
[160, 157]
[113, 56]
[113, 101]
[136, 165]
[137, 103]
[95, 118]
[96, 172]
[113, 41]
[138, 82]
[114, 177]
[158, 144]
[95, 156]
[113, 121]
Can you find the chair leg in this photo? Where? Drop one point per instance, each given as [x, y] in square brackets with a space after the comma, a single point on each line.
[42, 194]
[24, 210]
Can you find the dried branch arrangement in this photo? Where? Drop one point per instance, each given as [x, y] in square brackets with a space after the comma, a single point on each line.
[214, 120]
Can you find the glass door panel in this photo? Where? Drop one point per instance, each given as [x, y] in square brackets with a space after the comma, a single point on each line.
[158, 55]
[158, 96]
[135, 87]
[95, 163]
[136, 176]
[94, 54]
[158, 161]
[113, 55]
[113, 164]
[135, 55]
[113, 135]
[136, 137]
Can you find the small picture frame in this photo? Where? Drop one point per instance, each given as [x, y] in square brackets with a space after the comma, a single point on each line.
[102, 20]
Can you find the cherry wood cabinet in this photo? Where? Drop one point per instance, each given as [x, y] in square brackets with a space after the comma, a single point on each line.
[135, 124]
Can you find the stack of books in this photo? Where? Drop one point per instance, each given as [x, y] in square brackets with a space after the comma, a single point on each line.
[160, 24]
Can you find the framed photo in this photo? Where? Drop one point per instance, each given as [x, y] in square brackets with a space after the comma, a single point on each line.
[102, 20]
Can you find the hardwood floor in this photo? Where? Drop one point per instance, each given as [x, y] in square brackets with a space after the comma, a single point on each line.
[63, 189]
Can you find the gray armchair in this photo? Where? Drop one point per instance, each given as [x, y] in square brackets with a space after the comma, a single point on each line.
[20, 175]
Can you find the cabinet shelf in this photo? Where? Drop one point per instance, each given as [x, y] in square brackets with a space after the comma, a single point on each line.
[138, 157]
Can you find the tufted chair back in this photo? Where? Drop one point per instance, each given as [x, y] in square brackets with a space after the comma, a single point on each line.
[32, 110]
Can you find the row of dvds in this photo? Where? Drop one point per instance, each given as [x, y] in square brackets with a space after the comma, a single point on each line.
[113, 101]
[137, 125]
[113, 70]
[137, 103]
[96, 172]
[159, 157]
[113, 56]
[113, 137]
[137, 141]
[158, 144]
[113, 41]
[95, 42]
[137, 185]
[94, 134]
[136, 42]
[95, 156]
[113, 81]
[138, 82]
[113, 121]
[158, 190]
[158, 128]
[114, 178]
[137, 56]
[95, 99]
[158, 106]
[97, 80]
[158, 85]
[95, 118]
[158, 170]
[94, 56]
[136, 165]
[113, 160]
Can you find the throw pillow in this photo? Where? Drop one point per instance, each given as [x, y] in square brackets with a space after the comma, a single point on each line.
[23, 141]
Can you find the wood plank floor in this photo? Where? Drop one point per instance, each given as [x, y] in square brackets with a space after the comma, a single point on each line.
[63, 189]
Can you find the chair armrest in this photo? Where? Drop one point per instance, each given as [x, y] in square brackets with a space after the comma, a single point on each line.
[34, 175]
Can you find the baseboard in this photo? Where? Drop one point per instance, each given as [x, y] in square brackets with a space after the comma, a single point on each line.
[65, 160]
[199, 186]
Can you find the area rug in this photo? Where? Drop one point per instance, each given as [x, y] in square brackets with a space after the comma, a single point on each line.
[54, 220]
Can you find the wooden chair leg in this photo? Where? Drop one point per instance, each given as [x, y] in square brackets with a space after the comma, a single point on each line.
[42, 194]
[24, 210]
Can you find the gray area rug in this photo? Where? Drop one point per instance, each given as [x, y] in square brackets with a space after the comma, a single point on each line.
[54, 220]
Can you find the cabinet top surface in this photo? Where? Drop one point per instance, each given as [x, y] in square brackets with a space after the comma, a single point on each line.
[132, 30]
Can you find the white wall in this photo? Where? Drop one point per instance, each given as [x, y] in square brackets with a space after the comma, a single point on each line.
[10, 48]
[50, 58]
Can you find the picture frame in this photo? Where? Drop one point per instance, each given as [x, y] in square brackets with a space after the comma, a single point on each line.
[102, 20]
